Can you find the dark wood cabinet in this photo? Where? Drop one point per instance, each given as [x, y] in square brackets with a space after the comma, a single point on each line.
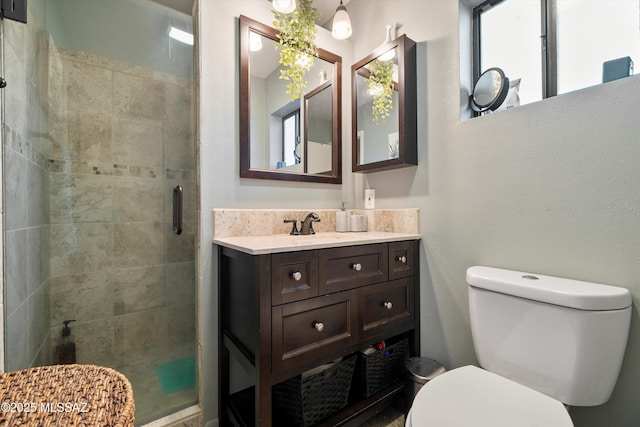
[284, 313]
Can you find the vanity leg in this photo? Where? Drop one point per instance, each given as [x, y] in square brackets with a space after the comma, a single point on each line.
[223, 384]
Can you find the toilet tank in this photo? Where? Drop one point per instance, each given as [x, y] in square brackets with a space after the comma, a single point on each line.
[565, 338]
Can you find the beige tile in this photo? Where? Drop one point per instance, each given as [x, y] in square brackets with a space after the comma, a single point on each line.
[15, 269]
[38, 308]
[16, 184]
[138, 335]
[15, 94]
[138, 142]
[77, 248]
[17, 340]
[180, 283]
[407, 221]
[181, 324]
[179, 147]
[88, 88]
[229, 222]
[180, 248]
[80, 198]
[82, 297]
[114, 65]
[88, 137]
[138, 97]
[137, 199]
[137, 289]
[258, 223]
[138, 244]
[279, 216]
[384, 220]
[178, 106]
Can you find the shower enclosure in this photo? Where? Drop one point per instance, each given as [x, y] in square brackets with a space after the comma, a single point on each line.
[97, 133]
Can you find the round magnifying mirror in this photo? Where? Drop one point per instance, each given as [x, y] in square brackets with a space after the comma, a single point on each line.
[490, 90]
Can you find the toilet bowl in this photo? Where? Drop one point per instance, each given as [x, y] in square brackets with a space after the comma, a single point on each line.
[472, 397]
[542, 342]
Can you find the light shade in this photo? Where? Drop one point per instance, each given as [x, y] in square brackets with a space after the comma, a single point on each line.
[181, 36]
[284, 6]
[341, 28]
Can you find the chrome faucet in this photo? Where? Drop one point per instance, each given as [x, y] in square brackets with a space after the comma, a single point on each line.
[307, 223]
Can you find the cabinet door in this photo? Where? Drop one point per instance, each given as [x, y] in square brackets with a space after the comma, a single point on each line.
[308, 330]
[402, 259]
[294, 276]
[385, 306]
[352, 267]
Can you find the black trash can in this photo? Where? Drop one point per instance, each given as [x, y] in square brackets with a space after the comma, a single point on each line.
[419, 371]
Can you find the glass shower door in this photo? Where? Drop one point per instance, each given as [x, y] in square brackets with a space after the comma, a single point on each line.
[92, 154]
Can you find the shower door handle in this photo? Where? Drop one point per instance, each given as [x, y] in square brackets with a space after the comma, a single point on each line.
[177, 209]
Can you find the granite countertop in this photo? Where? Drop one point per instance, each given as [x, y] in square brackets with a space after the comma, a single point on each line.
[257, 245]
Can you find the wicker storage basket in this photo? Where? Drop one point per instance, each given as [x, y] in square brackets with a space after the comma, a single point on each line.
[66, 395]
[377, 370]
[309, 400]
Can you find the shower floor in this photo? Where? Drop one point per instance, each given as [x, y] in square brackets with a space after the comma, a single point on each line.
[151, 401]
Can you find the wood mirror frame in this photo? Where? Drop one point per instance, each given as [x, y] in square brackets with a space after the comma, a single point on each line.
[334, 176]
[406, 108]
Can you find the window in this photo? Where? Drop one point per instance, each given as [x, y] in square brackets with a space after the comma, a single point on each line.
[290, 138]
[554, 46]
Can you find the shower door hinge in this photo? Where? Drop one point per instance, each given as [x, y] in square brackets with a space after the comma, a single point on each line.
[14, 9]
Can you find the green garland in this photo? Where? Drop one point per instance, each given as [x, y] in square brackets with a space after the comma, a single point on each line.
[297, 44]
[381, 88]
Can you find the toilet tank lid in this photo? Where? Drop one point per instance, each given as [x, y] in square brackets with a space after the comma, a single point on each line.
[552, 290]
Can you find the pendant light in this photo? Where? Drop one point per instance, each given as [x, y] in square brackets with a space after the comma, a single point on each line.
[341, 28]
[284, 6]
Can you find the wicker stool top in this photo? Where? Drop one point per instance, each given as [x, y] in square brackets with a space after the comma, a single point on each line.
[66, 395]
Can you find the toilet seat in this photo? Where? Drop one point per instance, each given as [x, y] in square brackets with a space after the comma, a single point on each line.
[472, 397]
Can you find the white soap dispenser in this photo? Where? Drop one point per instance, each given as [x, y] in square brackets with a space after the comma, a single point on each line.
[342, 220]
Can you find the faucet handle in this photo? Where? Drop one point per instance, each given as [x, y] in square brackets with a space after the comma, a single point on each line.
[294, 229]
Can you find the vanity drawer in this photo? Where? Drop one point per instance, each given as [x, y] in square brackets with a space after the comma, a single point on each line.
[294, 276]
[385, 306]
[352, 267]
[307, 330]
[402, 259]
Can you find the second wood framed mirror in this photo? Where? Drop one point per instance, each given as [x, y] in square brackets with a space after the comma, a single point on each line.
[384, 104]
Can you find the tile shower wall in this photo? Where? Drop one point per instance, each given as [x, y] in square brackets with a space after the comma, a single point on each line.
[26, 235]
[122, 139]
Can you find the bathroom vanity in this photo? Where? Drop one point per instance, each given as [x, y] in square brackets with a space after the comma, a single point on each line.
[291, 303]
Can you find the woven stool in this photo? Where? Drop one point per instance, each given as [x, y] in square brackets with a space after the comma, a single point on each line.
[66, 396]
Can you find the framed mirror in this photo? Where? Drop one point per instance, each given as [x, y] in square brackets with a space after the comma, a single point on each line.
[489, 91]
[282, 139]
[384, 104]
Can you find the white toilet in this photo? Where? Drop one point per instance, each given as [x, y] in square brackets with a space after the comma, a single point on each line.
[543, 342]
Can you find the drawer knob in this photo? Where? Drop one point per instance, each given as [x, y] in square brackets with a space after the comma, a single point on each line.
[402, 259]
[318, 326]
[296, 275]
[388, 305]
[356, 266]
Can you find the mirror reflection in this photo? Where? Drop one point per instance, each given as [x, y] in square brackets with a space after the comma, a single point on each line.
[377, 109]
[317, 141]
[285, 139]
[276, 121]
